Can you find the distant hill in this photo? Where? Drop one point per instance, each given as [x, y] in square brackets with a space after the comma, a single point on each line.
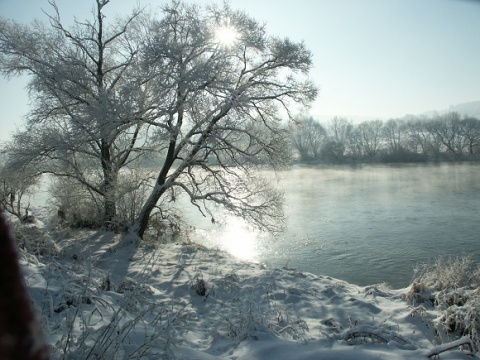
[471, 108]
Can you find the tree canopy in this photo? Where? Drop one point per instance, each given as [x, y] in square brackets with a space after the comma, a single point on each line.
[447, 136]
[206, 109]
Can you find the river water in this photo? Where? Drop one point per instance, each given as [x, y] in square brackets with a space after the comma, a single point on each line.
[365, 224]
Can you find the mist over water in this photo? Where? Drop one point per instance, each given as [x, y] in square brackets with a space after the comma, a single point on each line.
[363, 224]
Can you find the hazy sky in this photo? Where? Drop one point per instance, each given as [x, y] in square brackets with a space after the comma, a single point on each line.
[372, 58]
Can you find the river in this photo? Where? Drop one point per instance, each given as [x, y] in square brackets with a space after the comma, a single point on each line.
[364, 224]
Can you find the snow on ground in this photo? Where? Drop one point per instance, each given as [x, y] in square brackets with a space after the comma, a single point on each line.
[101, 296]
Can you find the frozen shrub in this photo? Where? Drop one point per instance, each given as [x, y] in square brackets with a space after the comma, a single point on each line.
[16, 183]
[448, 273]
[200, 287]
[451, 284]
[418, 293]
[34, 240]
[461, 320]
[77, 206]
[133, 186]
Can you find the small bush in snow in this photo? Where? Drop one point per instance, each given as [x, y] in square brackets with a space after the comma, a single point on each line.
[34, 240]
[448, 273]
[78, 207]
[200, 287]
[16, 183]
[451, 284]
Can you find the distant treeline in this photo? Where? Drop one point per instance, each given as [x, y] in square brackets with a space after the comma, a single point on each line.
[447, 137]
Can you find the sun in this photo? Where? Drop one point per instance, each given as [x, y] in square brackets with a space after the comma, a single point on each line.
[226, 35]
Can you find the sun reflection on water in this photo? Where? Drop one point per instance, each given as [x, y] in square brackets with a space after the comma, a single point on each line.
[239, 240]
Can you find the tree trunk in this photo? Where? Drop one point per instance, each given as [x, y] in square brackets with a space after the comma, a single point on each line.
[141, 223]
[110, 209]
[109, 188]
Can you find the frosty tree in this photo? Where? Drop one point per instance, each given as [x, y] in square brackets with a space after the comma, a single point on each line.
[202, 90]
[221, 83]
[85, 123]
[308, 137]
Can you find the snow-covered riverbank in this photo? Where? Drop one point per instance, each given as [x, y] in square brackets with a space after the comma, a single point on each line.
[100, 296]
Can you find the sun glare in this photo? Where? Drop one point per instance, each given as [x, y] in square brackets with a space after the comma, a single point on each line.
[226, 35]
[238, 240]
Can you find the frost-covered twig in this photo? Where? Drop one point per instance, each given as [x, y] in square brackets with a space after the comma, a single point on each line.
[372, 333]
[437, 350]
[364, 334]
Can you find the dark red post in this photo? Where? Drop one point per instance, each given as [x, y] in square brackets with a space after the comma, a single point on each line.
[20, 333]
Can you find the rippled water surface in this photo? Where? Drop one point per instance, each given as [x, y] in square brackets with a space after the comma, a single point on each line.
[365, 224]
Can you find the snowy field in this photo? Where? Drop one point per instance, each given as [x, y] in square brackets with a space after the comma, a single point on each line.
[101, 297]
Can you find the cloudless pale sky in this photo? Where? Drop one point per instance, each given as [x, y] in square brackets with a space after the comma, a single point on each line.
[373, 59]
